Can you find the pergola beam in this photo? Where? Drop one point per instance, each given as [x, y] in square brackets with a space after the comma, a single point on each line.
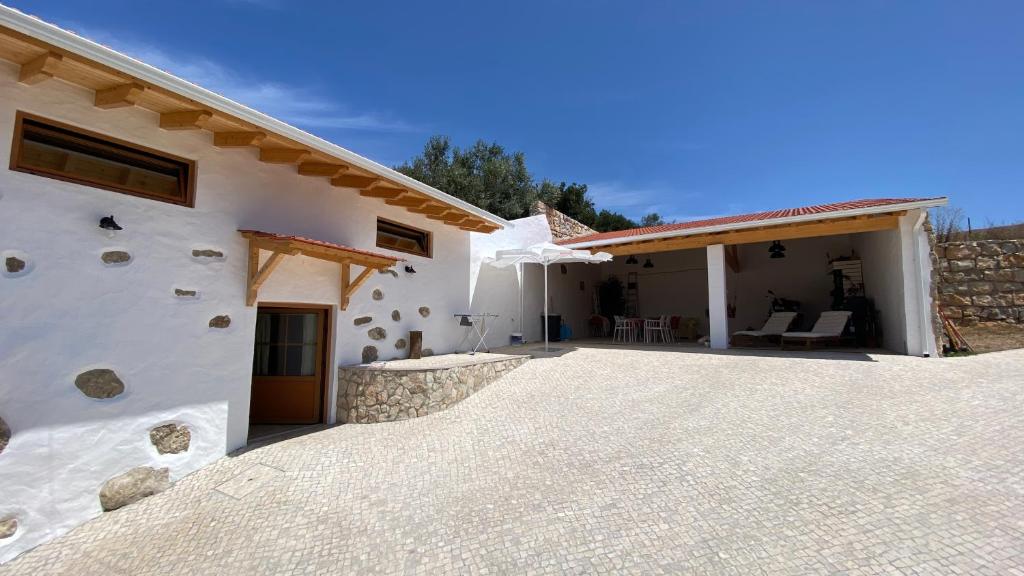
[763, 234]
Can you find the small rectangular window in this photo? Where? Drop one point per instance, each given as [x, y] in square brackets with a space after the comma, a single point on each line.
[403, 238]
[55, 150]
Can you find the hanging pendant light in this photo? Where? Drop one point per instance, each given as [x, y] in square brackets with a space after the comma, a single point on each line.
[777, 250]
[632, 260]
[648, 263]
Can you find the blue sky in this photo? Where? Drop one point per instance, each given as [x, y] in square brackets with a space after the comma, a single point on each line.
[686, 108]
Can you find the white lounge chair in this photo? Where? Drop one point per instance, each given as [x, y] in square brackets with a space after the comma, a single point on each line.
[776, 324]
[826, 330]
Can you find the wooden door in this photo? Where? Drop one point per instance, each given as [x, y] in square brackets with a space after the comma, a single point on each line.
[289, 366]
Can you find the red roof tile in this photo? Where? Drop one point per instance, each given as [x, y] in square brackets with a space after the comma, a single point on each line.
[321, 243]
[742, 218]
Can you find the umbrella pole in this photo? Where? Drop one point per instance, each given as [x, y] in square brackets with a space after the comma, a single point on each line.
[522, 299]
[545, 307]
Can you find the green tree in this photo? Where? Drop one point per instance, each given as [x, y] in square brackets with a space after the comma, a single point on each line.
[608, 221]
[652, 219]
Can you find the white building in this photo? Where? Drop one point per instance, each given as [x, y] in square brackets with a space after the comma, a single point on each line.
[253, 259]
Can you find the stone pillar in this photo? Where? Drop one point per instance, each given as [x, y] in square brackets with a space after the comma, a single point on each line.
[718, 314]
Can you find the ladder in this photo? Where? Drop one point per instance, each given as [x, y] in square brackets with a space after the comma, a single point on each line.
[632, 296]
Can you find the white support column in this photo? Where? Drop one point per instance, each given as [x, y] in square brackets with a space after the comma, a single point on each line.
[718, 315]
[916, 280]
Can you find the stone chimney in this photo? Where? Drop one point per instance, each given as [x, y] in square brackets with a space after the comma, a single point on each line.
[561, 226]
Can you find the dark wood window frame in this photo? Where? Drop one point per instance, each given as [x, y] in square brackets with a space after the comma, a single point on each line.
[426, 234]
[122, 149]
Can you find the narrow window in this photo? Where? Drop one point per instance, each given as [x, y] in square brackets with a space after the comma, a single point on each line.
[55, 150]
[402, 238]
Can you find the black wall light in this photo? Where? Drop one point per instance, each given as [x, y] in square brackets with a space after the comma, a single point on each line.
[107, 223]
[777, 250]
[410, 269]
[632, 260]
[648, 263]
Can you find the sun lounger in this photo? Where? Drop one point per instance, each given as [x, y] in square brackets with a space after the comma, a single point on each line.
[776, 324]
[826, 330]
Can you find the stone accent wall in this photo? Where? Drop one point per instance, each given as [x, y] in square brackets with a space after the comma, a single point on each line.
[369, 394]
[982, 281]
[561, 225]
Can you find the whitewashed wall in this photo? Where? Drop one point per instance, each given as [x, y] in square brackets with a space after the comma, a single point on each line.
[68, 312]
[883, 279]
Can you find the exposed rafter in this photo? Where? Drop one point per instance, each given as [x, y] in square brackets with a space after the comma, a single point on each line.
[354, 181]
[119, 96]
[408, 201]
[40, 68]
[282, 155]
[321, 169]
[382, 192]
[237, 139]
[185, 119]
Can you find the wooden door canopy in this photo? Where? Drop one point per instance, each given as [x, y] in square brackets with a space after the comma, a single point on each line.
[280, 246]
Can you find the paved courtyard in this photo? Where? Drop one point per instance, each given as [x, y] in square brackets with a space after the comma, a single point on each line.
[618, 461]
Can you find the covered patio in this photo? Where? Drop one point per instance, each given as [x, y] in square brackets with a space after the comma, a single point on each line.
[865, 264]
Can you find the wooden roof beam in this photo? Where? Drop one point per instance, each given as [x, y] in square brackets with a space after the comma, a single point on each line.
[40, 68]
[283, 155]
[119, 96]
[184, 120]
[237, 139]
[354, 181]
[408, 201]
[383, 192]
[434, 209]
[321, 169]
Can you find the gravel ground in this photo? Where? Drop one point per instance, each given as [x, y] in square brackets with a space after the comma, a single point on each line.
[609, 460]
[994, 336]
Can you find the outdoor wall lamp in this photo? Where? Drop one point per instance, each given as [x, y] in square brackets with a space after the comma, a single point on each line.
[632, 260]
[107, 223]
[410, 269]
[777, 250]
[648, 263]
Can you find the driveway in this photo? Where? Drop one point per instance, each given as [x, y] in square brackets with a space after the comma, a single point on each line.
[618, 461]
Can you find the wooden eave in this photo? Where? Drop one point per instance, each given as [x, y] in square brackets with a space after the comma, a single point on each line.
[41, 61]
[765, 233]
[281, 247]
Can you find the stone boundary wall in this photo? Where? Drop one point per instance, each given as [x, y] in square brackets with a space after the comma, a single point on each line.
[982, 281]
[368, 394]
[561, 225]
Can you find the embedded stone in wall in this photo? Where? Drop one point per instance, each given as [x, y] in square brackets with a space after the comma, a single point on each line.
[377, 333]
[181, 293]
[388, 271]
[424, 311]
[116, 257]
[8, 526]
[221, 321]
[207, 253]
[99, 383]
[396, 315]
[14, 264]
[170, 438]
[378, 294]
[132, 486]
[369, 354]
[5, 435]
[428, 352]
[400, 343]
[362, 320]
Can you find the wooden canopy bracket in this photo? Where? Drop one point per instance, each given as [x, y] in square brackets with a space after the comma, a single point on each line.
[259, 274]
[349, 286]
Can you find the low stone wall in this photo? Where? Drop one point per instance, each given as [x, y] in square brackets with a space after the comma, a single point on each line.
[982, 281]
[379, 393]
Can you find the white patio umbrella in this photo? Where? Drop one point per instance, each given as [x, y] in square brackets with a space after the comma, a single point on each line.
[545, 254]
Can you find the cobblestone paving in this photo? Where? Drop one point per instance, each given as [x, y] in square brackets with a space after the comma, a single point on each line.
[619, 461]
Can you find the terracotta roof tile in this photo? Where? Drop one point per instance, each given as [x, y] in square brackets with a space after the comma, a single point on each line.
[741, 218]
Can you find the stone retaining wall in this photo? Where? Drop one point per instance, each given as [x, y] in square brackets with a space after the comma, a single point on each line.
[561, 225]
[982, 281]
[368, 393]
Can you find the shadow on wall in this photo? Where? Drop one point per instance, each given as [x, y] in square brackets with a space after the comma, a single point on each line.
[497, 292]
